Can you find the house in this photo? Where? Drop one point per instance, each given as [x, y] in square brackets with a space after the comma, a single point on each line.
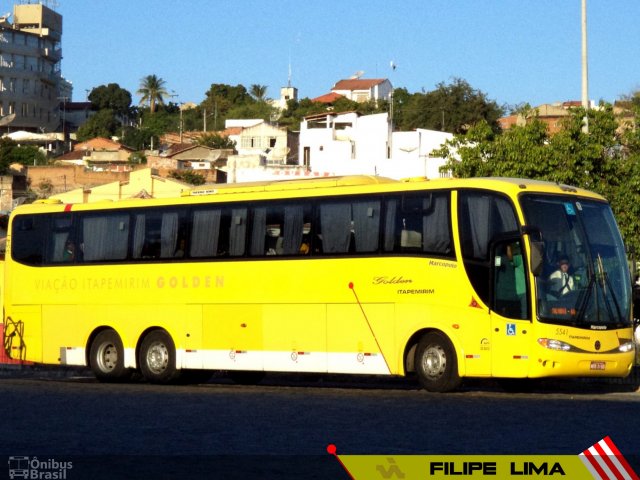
[99, 154]
[48, 143]
[328, 98]
[206, 160]
[276, 145]
[344, 143]
[552, 114]
[363, 90]
[348, 143]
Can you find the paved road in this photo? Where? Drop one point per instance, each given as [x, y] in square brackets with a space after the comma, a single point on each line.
[281, 428]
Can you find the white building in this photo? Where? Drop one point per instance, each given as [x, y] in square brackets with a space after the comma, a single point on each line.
[363, 90]
[32, 90]
[346, 143]
[411, 154]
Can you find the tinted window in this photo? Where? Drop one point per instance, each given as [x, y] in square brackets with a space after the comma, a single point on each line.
[419, 223]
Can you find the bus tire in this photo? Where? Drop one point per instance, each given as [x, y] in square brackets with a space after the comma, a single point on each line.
[106, 357]
[157, 358]
[436, 364]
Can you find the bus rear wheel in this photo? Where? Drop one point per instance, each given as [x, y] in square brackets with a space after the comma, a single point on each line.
[157, 358]
[106, 357]
[436, 363]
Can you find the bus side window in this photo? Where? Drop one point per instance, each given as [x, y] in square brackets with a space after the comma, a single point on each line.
[29, 237]
[366, 225]
[422, 224]
[105, 236]
[335, 227]
[205, 233]
[482, 216]
[278, 230]
[237, 232]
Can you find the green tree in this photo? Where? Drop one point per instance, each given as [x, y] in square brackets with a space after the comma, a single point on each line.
[139, 138]
[261, 110]
[258, 92]
[28, 155]
[11, 152]
[103, 124]
[152, 91]
[111, 97]
[220, 98]
[603, 160]
[215, 140]
[451, 108]
[188, 176]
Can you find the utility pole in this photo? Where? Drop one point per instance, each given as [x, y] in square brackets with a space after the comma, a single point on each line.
[585, 68]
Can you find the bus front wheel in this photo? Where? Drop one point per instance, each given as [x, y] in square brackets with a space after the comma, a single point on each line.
[436, 364]
[106, 357]
[157, 359]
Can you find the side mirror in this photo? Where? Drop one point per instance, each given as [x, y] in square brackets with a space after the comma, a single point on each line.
[537, 257]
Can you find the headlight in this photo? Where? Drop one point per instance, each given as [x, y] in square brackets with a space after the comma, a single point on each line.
[554, 344]
[626, 347]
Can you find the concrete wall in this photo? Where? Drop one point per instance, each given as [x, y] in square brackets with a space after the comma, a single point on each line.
[65, 178]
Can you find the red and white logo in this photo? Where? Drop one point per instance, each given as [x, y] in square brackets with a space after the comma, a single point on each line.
[605, 462]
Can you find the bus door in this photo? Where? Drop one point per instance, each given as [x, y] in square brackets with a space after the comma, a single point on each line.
[511, 328]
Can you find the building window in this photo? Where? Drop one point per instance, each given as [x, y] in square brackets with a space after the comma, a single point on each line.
[24, 111]
[12, 107]
[250, 142]
[26, 85]
[12, 84]
[2, 85]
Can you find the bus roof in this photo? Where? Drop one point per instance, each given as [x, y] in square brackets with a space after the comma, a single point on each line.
[324, 186]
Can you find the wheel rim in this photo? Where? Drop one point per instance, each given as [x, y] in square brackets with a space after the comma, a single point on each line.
[157, 357]
[434, 361]
[107, 357]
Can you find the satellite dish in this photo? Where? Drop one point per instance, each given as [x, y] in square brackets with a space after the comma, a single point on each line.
[356, 75]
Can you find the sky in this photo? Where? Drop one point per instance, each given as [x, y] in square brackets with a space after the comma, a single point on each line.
[514, 51]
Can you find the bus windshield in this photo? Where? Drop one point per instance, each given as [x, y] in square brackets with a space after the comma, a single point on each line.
[585, 281]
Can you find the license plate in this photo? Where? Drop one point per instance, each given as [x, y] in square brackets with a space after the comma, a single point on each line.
[597, 365]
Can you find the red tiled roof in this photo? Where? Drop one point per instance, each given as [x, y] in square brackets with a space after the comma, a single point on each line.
[73, 155]
[230, 131]
[100, 143]
[327, 98]
[357, 84]
[191, 137]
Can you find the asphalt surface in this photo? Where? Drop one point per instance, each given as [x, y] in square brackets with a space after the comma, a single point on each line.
[281, 428]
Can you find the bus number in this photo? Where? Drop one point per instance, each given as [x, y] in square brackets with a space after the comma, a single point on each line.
[562, 331]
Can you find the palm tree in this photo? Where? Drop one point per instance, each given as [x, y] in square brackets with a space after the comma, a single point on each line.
[258, 92]
[152, 90]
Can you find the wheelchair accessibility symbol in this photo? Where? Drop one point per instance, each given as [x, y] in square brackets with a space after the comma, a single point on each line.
[511, 329]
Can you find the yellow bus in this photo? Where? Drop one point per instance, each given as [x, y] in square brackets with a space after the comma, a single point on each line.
[443, 279]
